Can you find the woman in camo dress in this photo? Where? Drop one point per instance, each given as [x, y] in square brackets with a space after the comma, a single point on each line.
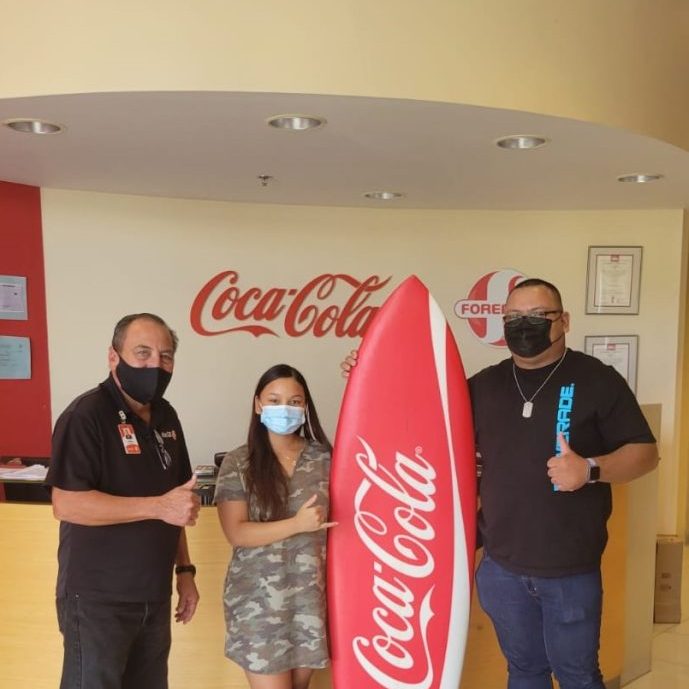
[272, 498]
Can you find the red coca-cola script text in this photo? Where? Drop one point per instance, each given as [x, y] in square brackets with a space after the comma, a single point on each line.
[332, 303]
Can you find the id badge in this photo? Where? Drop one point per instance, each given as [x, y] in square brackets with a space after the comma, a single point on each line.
[129, 441]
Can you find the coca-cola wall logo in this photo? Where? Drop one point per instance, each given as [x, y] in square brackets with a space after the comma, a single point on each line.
[329, 304]
[485, 304]
[402, 566]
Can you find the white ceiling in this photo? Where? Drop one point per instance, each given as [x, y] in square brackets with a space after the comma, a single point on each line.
[213, 145]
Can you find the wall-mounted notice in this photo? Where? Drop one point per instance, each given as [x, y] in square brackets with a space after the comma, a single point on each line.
[13, 298]
[15, 358]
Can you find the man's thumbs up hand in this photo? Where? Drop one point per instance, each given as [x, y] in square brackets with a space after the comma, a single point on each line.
[568, 471]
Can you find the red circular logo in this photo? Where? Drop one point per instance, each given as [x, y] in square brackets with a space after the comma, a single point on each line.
[485, 303]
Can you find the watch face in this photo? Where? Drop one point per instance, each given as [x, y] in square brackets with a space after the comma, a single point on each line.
[595, 473]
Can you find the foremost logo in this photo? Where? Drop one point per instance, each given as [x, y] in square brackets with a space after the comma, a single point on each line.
[485, 303]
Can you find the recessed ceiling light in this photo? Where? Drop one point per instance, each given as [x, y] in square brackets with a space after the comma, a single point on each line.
[30, 126]
[296, 123]
[640, 178]
[521, 142]
[383, 195]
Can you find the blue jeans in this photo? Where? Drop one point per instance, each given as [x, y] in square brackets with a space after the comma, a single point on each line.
[114, 645]
[544, 625]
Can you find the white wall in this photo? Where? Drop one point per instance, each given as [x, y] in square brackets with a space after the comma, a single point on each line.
[108, 255]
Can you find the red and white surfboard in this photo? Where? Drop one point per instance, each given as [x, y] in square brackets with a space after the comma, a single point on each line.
[403, 490]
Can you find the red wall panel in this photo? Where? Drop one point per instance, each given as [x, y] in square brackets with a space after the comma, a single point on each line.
[25, 422]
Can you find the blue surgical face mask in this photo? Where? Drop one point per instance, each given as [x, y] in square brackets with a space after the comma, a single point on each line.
[282, 419]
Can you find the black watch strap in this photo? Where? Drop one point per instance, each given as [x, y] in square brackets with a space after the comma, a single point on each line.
[182, 569]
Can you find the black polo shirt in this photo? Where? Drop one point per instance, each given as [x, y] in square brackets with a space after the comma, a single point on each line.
[120, 562]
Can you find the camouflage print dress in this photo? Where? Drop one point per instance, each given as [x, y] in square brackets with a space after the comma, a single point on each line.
[275, 594]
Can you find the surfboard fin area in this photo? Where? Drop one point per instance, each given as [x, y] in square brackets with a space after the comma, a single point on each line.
[403, 491]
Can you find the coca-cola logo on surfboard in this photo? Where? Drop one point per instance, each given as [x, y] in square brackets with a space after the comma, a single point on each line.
[329, 304]
[398, 554]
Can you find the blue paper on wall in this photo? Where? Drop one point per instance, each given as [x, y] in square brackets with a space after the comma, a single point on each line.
[15, 358]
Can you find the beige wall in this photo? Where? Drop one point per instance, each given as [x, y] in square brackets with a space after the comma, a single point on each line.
[107, 255]
[618, 62]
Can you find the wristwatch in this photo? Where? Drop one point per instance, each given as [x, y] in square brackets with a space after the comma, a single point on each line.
[181, 569]
[594, 471]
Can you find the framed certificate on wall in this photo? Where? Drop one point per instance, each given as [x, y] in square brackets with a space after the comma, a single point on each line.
[613, 279]
[13, 297]
[618, 351]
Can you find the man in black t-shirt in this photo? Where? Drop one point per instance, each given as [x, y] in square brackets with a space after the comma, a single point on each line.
[123, 492]
[553, 428]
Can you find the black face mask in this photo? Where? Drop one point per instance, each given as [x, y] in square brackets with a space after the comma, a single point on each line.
[144, 385]
[528, 336]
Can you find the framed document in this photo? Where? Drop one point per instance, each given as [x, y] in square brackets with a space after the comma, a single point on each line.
[614, 276]
[15, 358]
[618, 351]
[13, 297]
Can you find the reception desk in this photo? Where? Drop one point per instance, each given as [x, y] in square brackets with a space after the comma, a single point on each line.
[30, 644]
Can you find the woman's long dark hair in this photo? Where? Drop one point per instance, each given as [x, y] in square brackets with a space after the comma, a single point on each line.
[266, 481]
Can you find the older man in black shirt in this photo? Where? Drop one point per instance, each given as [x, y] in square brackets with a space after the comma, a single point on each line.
[123, 492]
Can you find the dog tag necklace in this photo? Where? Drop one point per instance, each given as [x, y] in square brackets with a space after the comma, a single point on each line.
[527, 409]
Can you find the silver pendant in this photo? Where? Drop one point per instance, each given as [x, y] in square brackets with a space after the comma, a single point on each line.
[527, 409]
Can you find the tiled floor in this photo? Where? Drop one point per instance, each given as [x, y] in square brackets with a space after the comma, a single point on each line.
[670, 658]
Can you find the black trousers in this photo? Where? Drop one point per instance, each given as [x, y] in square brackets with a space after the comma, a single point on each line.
[114, 645]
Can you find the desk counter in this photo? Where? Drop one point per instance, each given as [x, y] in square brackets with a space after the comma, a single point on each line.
[31, 646]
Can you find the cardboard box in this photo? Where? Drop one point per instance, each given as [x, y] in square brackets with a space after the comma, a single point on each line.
[667, 605]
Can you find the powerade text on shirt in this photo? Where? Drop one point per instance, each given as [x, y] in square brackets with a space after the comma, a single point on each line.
[564, 411]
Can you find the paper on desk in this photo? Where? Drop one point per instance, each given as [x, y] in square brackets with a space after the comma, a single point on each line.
[37, 472]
